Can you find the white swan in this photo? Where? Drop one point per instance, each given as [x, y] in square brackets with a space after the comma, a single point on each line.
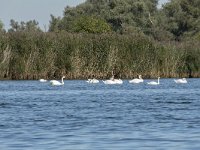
[92, 80]
[183, 80]
[139, 80]
[154, 82]
[43, 80]
[114, 81]
[57, 83]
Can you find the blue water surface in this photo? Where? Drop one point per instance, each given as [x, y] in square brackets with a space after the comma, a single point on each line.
[82, 116]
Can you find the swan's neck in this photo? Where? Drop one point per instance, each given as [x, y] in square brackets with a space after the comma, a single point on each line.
[158, 80]
[62, 80]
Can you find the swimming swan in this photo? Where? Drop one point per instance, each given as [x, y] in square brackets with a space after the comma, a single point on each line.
[57, 83]
[183, 80]
[114, 81]
[154, 82]
[92, 81]
[139, 80]
[43, 80]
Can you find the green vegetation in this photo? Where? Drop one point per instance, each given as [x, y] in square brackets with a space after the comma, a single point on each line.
[99, 36]
[1, 25]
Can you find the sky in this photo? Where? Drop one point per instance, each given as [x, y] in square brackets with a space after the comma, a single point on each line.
[39, 10]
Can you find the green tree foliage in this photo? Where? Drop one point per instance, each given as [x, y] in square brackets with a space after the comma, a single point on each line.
[55, 22]
[90, 25]
[31, 25]
[183, 17]
[1, 25]
[119, 14]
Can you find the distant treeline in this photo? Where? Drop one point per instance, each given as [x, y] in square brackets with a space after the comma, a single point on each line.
[34, 55]
[99, 37]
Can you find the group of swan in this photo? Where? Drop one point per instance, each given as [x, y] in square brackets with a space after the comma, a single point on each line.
[114, 81]
[136, 80]
[54, 82]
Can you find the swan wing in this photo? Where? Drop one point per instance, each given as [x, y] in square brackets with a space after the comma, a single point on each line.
[56, 82]
[135, 81]
[108, 82]
[115, 81]
[53, 81]
[43, 80]
[180, 81]
[95, 81]
[152, 83]
[118, 81]
[92, 81]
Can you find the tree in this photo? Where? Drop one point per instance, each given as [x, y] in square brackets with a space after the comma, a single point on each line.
[91, 25]
[183, 17]
[119, 14]
[31, 25]
[14, 26]
[54, 23]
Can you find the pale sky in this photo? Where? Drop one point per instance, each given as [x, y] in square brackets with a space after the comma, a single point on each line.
[40, 10]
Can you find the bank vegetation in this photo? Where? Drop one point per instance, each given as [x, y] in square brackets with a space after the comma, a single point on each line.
[97, 38]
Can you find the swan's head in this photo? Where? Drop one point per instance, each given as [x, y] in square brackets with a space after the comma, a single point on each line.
[158, 77]
[63, 77]
[140, 76]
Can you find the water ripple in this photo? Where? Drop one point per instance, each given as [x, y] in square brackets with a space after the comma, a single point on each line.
[78, 115]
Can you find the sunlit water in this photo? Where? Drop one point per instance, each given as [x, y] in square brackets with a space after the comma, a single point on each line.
[84, 116]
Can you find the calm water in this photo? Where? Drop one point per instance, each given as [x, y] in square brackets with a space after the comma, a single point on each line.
[84, 116]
